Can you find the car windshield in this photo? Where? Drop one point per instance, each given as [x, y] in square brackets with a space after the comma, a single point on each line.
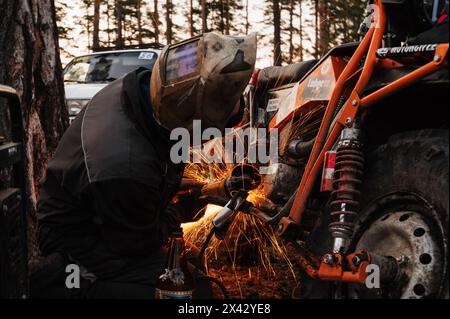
[107, 67]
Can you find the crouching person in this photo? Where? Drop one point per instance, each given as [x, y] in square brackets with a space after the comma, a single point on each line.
[105, 208]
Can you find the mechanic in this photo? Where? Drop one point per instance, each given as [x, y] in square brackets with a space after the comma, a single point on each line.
[106, 199]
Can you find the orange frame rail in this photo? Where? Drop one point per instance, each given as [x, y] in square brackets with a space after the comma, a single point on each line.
[371, 42]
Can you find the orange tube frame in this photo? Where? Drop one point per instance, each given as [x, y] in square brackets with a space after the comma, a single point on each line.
[370, 44]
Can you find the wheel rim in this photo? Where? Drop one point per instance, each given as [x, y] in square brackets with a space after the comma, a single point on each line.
[406, 236]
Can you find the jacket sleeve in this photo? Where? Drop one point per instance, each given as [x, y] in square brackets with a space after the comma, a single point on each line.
[131, 220]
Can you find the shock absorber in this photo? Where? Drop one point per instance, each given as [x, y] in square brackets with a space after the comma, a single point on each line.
[347, 180]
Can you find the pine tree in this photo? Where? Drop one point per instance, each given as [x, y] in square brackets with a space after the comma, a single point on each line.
[300, 30]
[145, 32]
[191, 18]
[238, 17]
[139, 21]
[119, 23]
[172, 29]
[204, 11]
[169, 24]
[227, 14]
[308, 28]
[317, 29]
[60, 13]
[337, 22]
[291, 31]
[324, 27]
[130, 16]
[295, 37]
[247, 24]
[216, 15]
[277, 59]
[96, 24]
[222, 14]
[88, 20]
[108, 22]
[346, 18]
[193, 13]
[154, 17]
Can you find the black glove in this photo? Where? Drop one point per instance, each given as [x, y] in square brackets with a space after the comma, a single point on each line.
[189, 201]
[193, 206]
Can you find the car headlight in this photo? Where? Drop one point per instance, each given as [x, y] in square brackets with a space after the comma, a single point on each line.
[75, 106]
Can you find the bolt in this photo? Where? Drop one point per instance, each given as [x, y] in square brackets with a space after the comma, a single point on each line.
[437, 58]
[402, 260]
[328, 259]
[280, 227]
[357, 260]
[354, 103]
[348, 121]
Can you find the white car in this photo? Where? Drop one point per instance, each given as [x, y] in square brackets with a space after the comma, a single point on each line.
[86, 75]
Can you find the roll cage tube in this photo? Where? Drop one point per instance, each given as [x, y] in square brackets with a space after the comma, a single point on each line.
[368, 47]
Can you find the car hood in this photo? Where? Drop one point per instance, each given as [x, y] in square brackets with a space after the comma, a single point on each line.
[79, 91]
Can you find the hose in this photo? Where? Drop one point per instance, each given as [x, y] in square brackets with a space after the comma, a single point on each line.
[199, 264]
[218, 283]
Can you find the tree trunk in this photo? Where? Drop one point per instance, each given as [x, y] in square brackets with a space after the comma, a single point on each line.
[119, 24]
[291, 31]
[191, 18]
[204, 16]
[108, 22]
[317, 28]
[29, 62]
[324, 36]
[139, 21]
[125, 31]
[155, 20]
[300, 29]
[169, 35]
[88, 24]
[345, 26]
[95, 32]
[222, 17]
[227, 17]
[247, 25]
[277, 33]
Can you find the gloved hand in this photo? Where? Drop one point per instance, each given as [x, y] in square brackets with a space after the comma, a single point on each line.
[189, 201]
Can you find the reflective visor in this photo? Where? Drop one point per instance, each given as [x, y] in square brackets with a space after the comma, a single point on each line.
[182, 62]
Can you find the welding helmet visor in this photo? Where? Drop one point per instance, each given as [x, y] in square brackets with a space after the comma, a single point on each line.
[201, 79]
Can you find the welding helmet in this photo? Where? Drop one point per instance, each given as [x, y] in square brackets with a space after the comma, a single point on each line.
[201, 79]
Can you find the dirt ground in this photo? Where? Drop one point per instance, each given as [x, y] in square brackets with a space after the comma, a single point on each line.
[254, 282]
[251, 262]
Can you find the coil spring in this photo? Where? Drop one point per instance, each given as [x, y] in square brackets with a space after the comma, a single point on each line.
[348, 178]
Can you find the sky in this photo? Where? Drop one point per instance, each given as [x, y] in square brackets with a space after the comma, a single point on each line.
[77, 44]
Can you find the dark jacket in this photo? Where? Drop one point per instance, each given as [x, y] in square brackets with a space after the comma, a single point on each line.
[105, 198]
